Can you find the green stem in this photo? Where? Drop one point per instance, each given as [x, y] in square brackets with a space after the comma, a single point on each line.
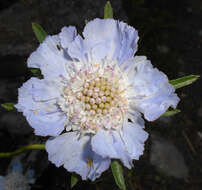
[23, 149]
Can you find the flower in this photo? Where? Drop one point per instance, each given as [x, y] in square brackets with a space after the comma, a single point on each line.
[92, 96]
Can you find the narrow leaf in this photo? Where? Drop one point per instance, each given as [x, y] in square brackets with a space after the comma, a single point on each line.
[39, 32]
[184, 81]
[118, 174]
[8, 106]
[171, 112]
[36, 72]
[108, 11]
[74, 180]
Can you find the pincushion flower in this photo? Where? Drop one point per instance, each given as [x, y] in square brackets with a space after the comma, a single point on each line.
[92, 96]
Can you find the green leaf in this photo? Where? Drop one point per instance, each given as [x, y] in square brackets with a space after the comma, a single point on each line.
[74, 180]
[86, 21]
[35, 71]
[118, 174]
[8, 106]
[171, 112]
[108, 11]
[184, 81]
[39, 32]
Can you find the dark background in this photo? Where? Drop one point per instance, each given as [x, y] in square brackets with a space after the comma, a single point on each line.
[170, 36]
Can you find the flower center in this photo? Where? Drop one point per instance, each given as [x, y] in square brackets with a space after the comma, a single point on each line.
[95, 98]
[99, 96]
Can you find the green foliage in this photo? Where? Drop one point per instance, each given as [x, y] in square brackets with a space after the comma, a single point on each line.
[40, 35]
[108, 11]
[118, 174]
[171, 112]
[23, 149]
[39, 32]
[36, 72]
[74, 180]
[184, 81]
[8, 106]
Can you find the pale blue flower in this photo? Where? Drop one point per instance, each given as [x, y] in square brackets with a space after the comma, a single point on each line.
[92, 96]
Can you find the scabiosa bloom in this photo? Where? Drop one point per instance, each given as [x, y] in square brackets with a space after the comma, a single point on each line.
[92, 96]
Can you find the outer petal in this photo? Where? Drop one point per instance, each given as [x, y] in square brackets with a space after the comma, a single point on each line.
[50, 58]
[79, 50]
[151, 93]
[2, 179]
[67, 35]
[106, 38]
[134, 137]
[37, 100]
[76, 155]
[126, 145]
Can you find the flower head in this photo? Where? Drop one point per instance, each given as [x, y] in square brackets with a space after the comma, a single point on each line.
[92, 96]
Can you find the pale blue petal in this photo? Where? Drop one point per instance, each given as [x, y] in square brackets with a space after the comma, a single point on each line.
[37, 100]
[134, 137]
[152, 94]
[2, 179]
[50, 58]
[45, 90]
[120, 145]
[105, 38]
[46, 123]
[118, 40]
[154, 106]
[79, 49]
[74, 154]
[67, 35]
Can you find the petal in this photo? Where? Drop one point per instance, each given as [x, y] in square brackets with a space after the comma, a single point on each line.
[105, 38]
[154, 106]
[50, 58]
[2, 183]
[119, 41]
[46, 124]
[45, 90]
[120, 145]
[76, 155]
[37, 99]
[151, 93]
[67, 35]
[79, 49]
[134, 137]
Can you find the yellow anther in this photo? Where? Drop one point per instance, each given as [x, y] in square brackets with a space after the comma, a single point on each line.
[89, 162]
[107, 106]
[35, 111]
[87, 98]
[92, 100]
[107, 92]
[101, 105]
[99, 111]
[103, 88]
[88, 107]
[95, 106]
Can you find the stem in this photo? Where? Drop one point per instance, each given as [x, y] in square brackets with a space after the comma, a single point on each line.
[23, 149]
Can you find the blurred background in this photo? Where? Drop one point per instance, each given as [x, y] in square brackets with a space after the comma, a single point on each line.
[170, 36]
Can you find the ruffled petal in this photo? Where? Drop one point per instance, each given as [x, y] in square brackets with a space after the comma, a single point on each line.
[151, 93]
[105, 38]
[125, 145]
[79, 50]
[134, 137]
[37, 100]
[75, 155]
[50, 58]
[67, 35]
